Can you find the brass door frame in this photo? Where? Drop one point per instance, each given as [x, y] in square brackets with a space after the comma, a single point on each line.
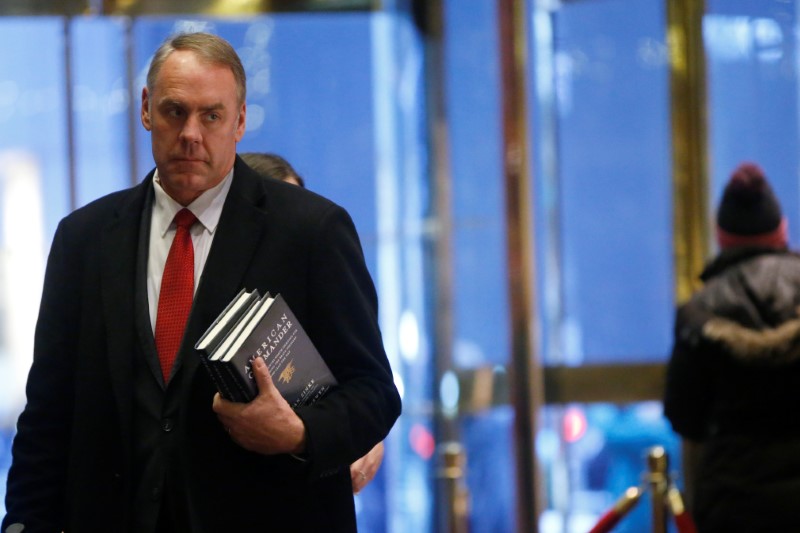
[162, 7]
[526, 384]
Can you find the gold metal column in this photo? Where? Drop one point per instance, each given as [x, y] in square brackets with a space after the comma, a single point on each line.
[230, 7]
[689, 142]
[442, 244]
[451, 482]
[439, 250]
[527, 394]
[658, 479]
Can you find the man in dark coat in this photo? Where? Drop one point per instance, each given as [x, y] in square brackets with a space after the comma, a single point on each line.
[111, 439]
[273, 166]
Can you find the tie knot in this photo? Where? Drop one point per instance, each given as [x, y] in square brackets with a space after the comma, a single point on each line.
[185, 218]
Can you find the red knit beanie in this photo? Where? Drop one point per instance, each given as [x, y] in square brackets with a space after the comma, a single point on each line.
[749, 214]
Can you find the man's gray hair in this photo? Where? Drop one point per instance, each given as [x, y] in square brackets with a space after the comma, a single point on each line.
[209, 48]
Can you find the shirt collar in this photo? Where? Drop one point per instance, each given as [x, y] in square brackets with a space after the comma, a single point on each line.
[207, 207]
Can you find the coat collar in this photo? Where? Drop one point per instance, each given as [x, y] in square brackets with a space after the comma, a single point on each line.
[733, 256]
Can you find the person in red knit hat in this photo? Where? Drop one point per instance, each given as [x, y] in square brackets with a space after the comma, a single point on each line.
[733, 378]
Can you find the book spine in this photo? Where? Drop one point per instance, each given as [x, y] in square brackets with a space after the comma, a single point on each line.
[246, 388]
[214, 375]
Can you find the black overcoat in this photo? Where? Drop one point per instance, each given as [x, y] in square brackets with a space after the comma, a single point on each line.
[72, 455]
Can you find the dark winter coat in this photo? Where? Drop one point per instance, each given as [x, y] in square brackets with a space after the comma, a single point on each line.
[733, 384]
[73, 461]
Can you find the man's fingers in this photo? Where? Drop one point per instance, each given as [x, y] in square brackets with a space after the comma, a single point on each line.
[261, 373]
[218, 403]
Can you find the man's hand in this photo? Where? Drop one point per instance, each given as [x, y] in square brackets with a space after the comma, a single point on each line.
[267, 424]
[364, 469]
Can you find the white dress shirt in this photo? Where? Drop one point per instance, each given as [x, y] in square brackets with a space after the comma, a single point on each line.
[207, 208]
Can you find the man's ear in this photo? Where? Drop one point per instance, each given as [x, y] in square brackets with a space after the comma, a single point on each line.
[241, 123]
[146, 110]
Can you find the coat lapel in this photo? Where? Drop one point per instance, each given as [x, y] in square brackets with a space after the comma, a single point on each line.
[237, 237]
[118, 289]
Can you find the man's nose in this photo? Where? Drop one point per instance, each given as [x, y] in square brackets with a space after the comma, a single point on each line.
[192, 130]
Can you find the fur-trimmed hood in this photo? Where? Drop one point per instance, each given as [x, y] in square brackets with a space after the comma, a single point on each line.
[750, 305]
[779, 345]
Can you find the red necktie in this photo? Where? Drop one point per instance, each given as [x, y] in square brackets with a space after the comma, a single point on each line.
[177, 289]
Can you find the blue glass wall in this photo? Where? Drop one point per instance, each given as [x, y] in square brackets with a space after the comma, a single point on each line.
[601, 147]
[480, 287]
[100, 106]
[33, 106]
[614, 197]
[34, 193]
[751, 54]
[599, 110]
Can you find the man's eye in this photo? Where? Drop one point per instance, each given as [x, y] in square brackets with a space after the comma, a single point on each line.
[175, 112]
[213, 117]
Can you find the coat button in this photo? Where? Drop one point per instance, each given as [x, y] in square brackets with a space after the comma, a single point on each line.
[167, 424]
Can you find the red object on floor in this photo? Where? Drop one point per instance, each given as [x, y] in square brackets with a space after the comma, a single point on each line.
[622, 507]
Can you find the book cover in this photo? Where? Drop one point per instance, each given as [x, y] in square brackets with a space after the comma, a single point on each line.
[297, 369]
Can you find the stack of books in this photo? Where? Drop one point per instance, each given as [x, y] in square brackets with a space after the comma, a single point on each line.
[253, 326]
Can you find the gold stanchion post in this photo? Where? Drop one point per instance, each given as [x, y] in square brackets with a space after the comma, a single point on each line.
[658, 464]
[454, 491]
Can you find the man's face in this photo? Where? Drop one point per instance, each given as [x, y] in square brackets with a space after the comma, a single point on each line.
[194, 122]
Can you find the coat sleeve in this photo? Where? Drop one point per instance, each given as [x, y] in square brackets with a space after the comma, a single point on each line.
[690, 376]
[36, 480]
[343, 322]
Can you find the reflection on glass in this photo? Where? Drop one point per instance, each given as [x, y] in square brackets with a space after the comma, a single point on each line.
[101, 106]
[751, 56]
[601, 155]
[34, 195]
[601, 147]
[22, 259]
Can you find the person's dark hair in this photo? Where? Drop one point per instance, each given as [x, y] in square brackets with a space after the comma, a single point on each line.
[208, 47]
[272, 166]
